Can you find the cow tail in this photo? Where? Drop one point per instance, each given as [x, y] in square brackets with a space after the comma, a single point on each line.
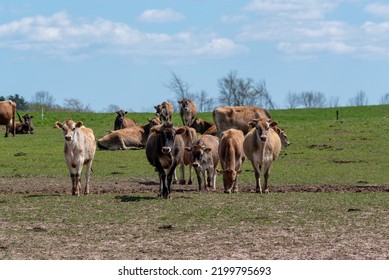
[13, 119]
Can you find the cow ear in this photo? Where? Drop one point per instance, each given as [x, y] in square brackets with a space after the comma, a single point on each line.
[207, 150]
[181, 130]
[188, 149]
[31, 117]
[125, 112]
[79, 124]
[239, 171]
[59, 125]
[273, 123]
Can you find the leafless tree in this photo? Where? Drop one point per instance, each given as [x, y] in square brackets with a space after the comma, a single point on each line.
[293, 100]
[179, 87]
[75, 105]
[229, 89]
[263, 98]
[43, 100]
[360, 99]
[112, 108]
[333, 102]
[384, 99]
[310, 99]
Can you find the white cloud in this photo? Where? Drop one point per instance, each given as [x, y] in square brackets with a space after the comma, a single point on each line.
[60, 36]
[378, 9]
[317, 47]
[158, 16]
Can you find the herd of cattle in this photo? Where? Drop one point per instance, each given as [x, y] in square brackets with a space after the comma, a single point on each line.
[238, 132]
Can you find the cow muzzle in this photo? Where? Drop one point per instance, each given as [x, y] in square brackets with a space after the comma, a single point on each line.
[166, 150]
[263, 138]
[195, 164]
[68, 138]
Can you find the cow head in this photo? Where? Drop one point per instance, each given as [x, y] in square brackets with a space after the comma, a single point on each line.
[167, 136]
[27, 119]
[282, 134]
[197, 153]
[68, 128]
[158, 109]
[121, 114]
[188, 111]
[229, 178]
[262, 127]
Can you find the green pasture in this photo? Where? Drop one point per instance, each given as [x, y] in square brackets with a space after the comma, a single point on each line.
[352, 150]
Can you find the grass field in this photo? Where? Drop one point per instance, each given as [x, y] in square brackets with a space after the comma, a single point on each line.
[41, 220]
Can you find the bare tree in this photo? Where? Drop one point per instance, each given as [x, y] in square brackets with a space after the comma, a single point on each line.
[75, 105]
[228, 89]
[262, 96]
[43, 100]
[179, 87]
[112, 108]
[201, 100]
[293, 100]
[333, 102]
[311, 99]
[360, 99]
[384, 99]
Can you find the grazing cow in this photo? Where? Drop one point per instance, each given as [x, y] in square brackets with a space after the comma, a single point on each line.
[164, 111]
[164, 151]
[7, 116]
[79, 150]
[231, 158]
[132, 138]
[282, 134]
[122, 122]
[188, 111]
[262, 146]
[189, 136]
[201, 125]
[24, 126]
[205, 158]
[237, 117]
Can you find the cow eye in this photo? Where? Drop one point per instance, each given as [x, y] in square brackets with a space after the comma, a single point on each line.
[73, 129]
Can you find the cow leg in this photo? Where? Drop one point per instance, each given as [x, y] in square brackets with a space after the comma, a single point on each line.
[169, 183]
[266, 177]
[213, 178]
[6, 131]
[182, 171]
[257, 171]
[87, 177]
[74, 183]
[198, 174]
[190, 182]
[163, 187]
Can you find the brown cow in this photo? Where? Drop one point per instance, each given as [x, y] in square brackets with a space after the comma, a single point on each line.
[282, 134]
[7, 116]
[231, 158]
[201, 125]
[132, 138]
[205, 158]
[164, 111]
[262, 146]
[189, 136]
[79, 150]
[122, 122]
[164, 151]
[188, 111]
[237, 117]
[24, 126]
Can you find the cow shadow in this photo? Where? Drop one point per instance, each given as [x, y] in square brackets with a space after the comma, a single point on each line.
[129, 198]
[41, 195]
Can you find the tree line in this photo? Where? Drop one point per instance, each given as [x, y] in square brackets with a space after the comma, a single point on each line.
[233, 91]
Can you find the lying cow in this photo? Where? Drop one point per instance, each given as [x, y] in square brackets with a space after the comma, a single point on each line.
[7, 116]
[24, 126]
[164, 151]
[79, 150]
[262, 146]
[201, 126]
[237, 117]
[205, 158]
[122, 122]
[231, 158]
[132, 138]
[164, 111]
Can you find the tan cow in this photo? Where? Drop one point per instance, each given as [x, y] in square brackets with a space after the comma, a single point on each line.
[164, 111]
[7, 116]
[189, 136]
[262, 146]
[79, 150]
[188, 111]
[231, 158]
[282, 134]
[237, 117]
[121, 122]
[132, 138]
[205, 158]
[201, 126]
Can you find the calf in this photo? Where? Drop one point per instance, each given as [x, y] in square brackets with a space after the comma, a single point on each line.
[205, 158]
[79, 150]
[231, 158]
[24, 126]
[132, 138]
[262, 146]
[122, 122]
[164, 151]
[7, 116]
[164, 111]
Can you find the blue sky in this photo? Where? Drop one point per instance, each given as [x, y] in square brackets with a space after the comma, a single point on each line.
[123, 52]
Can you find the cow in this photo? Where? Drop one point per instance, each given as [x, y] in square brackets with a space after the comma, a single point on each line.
[24, 126]
[205, 158]
[262, 145]
[7, 116]
[200, 125]
[189, 136]
[132, 138]
[231, 158]
[122, 122]
[188, 111]
[237, 117]
[164, 151]
[164, 111]
[79, 150]
[282, 134]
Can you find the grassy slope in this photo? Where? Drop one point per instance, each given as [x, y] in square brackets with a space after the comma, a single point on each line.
[348, 151]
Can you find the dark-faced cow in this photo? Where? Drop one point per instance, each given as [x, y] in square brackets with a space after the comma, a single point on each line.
[237, 117]
[164, 151]
[231, 158]
[24, 126]
[7, 116]
[164, 111]
[262, 146]
[188, 111]
[122, 122]
[132, 138]
[201, 126]
[79, 150]
[205, 158]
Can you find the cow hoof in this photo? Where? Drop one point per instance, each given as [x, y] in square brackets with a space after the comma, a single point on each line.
[227, 192]
[190, 182]
[182, 182]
